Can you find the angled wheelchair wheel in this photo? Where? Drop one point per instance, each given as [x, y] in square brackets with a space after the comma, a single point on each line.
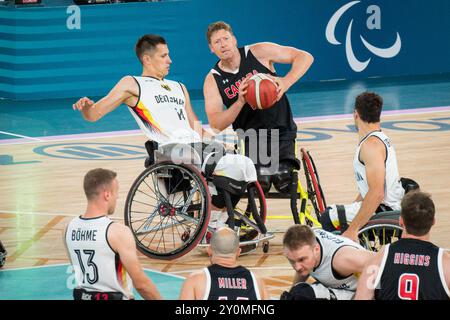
[168, 210]
[3, 254]
[249, 224]
[315, 193]
[382, 229]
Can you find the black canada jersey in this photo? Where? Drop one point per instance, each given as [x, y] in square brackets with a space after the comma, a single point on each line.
[411, 269]
[224, 283]
[278, 117]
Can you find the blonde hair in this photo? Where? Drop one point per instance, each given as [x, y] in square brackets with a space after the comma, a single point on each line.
[298, 236]
[216, 26]
[96, 179]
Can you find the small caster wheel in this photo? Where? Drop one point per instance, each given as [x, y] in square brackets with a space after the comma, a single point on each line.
[266, 247]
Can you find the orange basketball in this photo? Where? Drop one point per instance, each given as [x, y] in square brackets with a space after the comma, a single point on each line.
[261, 92]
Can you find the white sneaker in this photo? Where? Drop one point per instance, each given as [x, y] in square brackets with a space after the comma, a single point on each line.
[218, 219]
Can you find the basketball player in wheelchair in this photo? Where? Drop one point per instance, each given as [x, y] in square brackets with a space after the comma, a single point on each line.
[228, 183]
[168, 207]
[220, 89]
[273, 130]
[376, 171]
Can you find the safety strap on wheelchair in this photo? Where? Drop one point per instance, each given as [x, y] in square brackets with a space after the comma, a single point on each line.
[211, 161]
[342, 217]
[383, 208]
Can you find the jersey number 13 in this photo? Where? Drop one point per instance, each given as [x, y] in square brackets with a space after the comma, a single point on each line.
[88, 268]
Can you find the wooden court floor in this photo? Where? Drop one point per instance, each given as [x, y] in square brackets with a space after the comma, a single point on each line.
[40, 191]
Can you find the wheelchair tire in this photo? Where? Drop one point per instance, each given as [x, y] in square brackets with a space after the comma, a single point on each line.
[248, 227]
[379, 232]
[315, 193]
[167, 225]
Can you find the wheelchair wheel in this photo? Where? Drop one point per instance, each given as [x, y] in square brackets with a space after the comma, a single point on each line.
[315, 193]
[379, 232]
[168, 210]
[3, 254]
[243, 215]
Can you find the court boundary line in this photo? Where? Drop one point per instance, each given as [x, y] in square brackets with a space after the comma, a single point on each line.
[138, 132]
[173, 273]
[48, 214]
[68, 264]
[35, 267]
[19, 135]
[387, 113]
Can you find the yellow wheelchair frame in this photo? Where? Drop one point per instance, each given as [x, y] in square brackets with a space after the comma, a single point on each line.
[381, 229]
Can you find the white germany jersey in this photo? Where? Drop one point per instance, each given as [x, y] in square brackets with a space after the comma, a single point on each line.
[324, 273]
[161, 111]
[393, 190]
[97, 267]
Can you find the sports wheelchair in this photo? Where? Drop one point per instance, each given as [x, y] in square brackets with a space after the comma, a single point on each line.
[308, 204]
[3, 254]
[168, 207]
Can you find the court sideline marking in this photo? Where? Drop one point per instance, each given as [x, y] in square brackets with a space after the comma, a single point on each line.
[111, 217]
[19, 135]
[138, 132]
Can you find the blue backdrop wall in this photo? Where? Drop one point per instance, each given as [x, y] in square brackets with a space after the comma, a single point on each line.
[50, 52]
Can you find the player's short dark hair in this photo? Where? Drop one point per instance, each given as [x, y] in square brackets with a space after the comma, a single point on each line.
[216, 26]
[369, 105]
[417, 212]
[298, 236]
[96, 179]
[147, 43]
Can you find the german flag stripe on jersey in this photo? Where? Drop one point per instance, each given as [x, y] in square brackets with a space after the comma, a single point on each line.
[146, 117]
[122, 275]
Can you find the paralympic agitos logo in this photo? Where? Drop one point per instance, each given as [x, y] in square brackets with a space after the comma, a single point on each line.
[373, 22]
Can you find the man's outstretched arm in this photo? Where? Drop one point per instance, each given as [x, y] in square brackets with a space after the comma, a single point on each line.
[125, 91]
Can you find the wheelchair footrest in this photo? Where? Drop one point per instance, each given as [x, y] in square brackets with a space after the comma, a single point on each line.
[260, 238]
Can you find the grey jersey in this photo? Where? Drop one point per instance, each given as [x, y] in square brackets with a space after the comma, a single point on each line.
[324, 273]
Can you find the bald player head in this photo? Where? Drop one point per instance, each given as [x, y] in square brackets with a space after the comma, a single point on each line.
[224, 244]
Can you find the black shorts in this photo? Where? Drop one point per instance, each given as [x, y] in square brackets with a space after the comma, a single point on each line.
[82, 294]
[219, 200]
[285, 152]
